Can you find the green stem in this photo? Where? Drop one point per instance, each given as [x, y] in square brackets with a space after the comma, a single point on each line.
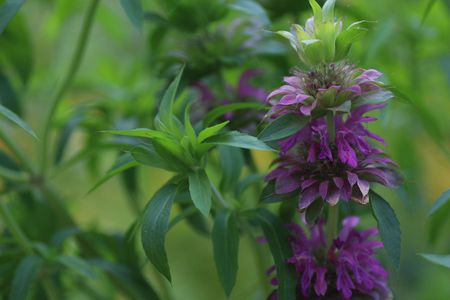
[67, 81]
[18, 234]
[332, 223]
[260, 262]
[11, 144]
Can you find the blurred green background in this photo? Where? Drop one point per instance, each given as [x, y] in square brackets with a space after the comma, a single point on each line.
[124, 69]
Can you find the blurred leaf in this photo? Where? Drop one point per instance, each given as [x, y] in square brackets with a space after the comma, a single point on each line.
[251, 8]
[8, 11]
[221, 110]
[175, 162]
[8, 97]
[225, 238]
[239, 140]
[147, 155]
[438, 214]
[77, 264]
[428, 8]
[388, 225]
[277, 237]
[17, 49]
[282, 127]
[24, 276]
[200, 190]
[268, 194]
[131, 283]
[211, 131]
[246, 182]
[442, 260]
[124, 162]
[443, 200]
[65, 135]
[133, 9]
[60, 236]
[155, 225]
[376, 97]
[231, 172]
[17, 120]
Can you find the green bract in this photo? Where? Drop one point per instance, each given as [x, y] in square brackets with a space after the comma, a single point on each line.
[323, 39]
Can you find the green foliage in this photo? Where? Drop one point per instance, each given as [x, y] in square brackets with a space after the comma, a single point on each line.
[155, 224]
[388, 225]
[225, 238]
[24, 276]
[442, 260]
[8, 11]
[17, 120]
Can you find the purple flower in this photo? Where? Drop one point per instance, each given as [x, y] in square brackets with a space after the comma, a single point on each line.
[325, 87]
[343, 170]
[347, 269]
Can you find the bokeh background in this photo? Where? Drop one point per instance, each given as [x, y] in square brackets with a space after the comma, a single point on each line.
[126, 66]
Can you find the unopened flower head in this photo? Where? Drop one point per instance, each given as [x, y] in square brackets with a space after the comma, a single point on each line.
[333, 87]
[323, 39]
[346, 269]
[314, 167]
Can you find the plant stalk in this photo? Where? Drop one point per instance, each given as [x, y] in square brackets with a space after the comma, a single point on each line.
[67, 81]
[332, 223]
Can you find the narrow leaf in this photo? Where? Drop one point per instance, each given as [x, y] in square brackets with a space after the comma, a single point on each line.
[231, 172]
[165, 113]
[124, 162]
[277, 237]
[443, 199]
[442, 260]
[388, 225]
[77, 264]
[17, 120]
[8, 11]
[200, 190]
[282, 127]
[252, 8]
[211, 131]
[225, 238]
[269, 195]
[154, 227]
[133, 9]
[138, 132]
[24, 277]
[221, 110]
[146, 154]
[238, 139]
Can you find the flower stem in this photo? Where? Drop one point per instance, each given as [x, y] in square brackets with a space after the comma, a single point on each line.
[218, 195]
[67, 81]
[332, 223]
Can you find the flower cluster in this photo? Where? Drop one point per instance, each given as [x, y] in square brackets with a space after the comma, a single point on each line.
[344, 169]
[346, 269]
[325, 87]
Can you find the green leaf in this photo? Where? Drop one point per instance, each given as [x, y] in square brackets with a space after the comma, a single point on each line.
[279, 245]
[314, 211]
[77, 264]
[200, 190]
[24, 276]
[17, 120]
[388, 225]
[252, 8]
[190, 132]
[133, 9]
[231, 172]
[317, 10]
[282, 127]
[8, 96]
[165, 113]
[349, 36]
[147, 155]
[225, 238]
[376, 97]
[154, 227]
[442, 260]
[211, 131]
[239, 140]
[138, 132]
[221, 110]
[247, 182]
[443, 199]
[124, 162]
[328, 11]
[8, 11]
